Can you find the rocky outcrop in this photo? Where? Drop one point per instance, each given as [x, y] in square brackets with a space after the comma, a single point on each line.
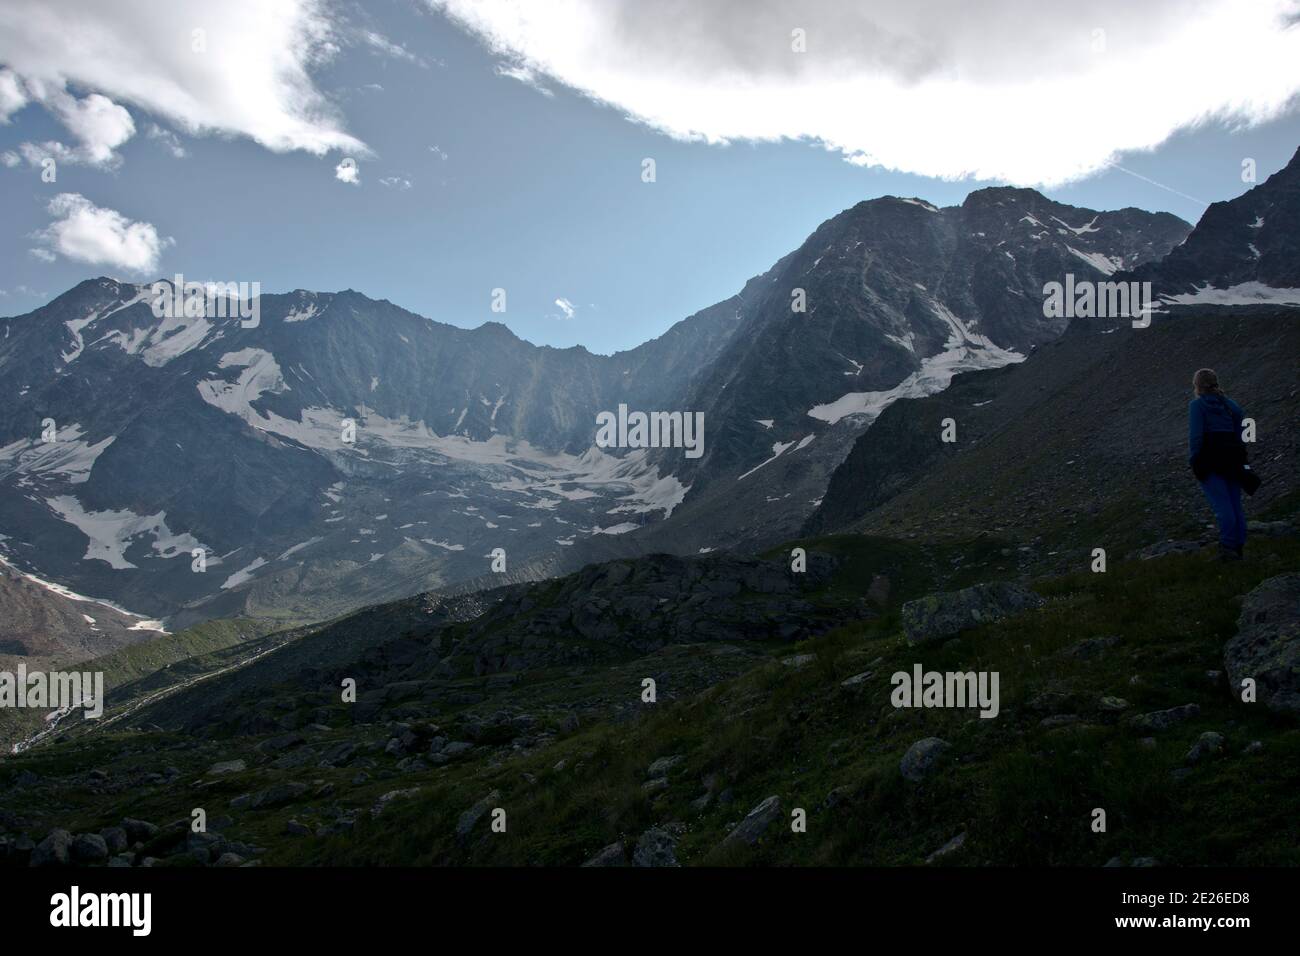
[936, 617]
[1267, 645]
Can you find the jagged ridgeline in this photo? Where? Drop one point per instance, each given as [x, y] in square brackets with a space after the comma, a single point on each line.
[334, 450]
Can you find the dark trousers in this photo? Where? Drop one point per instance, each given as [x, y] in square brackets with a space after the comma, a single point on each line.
[1224, 495]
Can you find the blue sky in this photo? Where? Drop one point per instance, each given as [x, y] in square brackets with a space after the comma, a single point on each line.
[476, 180]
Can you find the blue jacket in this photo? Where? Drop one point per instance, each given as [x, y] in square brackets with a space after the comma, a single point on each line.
[1212, 414]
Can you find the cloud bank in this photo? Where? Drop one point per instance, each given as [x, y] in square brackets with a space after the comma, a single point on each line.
[231, 67]
[1033, 92]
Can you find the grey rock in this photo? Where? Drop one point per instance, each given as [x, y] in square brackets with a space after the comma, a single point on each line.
[612, 855]
[139, 831]
[751, 829]
[53, 850]
[89, 848]
[952, 846]
[1164, 719]
[382, 803]
[276, 796]
[936, 617]
[470, 817]
[661, 766]
[227, 766]
[1209, 744]
[656, 847]
[922, 758]
[115, 839]
[1267, 644]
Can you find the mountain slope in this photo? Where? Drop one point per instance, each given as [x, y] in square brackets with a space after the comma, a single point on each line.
[177, 434]
[1099, 415]
[901, 296]
[1243, 251]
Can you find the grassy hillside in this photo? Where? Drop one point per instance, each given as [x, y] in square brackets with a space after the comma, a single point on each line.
[769, 724]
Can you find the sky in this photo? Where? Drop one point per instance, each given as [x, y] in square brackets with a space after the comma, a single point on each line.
[430, 152]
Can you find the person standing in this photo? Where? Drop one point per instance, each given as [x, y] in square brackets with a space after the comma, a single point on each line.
[1217, 456]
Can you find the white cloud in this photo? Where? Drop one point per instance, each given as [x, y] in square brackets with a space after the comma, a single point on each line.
[170, 141]
[566, 307]
[386, 47]
[526, 75]
[1037, 93]
[347, 171]
[249, 75]
[88, 233]
[96, 121]
[12, 96]
[396, 182]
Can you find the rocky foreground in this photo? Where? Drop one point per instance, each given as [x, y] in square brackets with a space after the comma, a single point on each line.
[527, 732]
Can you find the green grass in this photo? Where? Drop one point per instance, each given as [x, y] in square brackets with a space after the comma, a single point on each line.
[1023, 794]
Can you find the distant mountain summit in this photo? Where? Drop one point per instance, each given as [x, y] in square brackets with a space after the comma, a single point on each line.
[1243, 251]
[900, 296]
[337, 451]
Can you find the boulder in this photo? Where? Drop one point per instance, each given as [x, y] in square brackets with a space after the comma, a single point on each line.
[937, 617]
[472, 816]
[1267, 644]
[756, 822]
[612, 855]
[656, 847]
[115, 839]
[89, 848]
[922, 758]
[661, 766]
[138, 831]
[53, 850]
[1209, 744]
[1164, 719]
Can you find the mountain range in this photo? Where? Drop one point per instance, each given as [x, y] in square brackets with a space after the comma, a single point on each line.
[176, 436]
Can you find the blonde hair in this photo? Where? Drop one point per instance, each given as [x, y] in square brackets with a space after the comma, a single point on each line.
[1206, 382]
